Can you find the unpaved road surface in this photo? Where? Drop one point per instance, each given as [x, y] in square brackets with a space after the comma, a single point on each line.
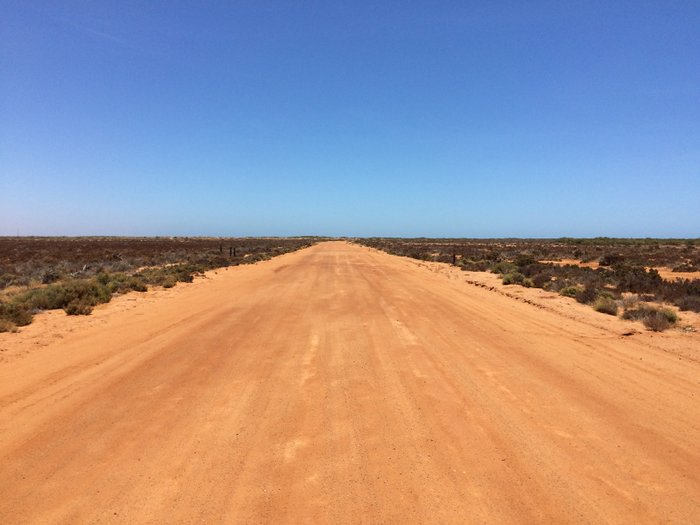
[342, 385]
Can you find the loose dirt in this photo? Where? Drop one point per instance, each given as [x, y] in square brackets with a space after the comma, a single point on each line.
[339, 384]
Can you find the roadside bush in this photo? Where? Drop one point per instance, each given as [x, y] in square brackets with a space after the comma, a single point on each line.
[169, 282]
[7, 326]
[121, 282]
[17, 314]
[60, 295]
[605, 304]
[540, 280]
[656, 319]
[504, 268]
[587, 295]
[474, 266]
[656, 322]
[570, 291]
[513, 278]
[78, 307]
[630, 300]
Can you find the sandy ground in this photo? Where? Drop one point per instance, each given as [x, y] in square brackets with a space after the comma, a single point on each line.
[339, 384]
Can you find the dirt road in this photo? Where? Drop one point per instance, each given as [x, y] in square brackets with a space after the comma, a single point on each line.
[342, 385]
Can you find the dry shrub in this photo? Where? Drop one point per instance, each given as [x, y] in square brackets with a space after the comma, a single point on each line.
[630, 300]
[656, 319]
[605, 305]
[7, 326]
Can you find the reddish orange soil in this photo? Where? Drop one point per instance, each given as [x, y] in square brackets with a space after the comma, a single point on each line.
[339, 384]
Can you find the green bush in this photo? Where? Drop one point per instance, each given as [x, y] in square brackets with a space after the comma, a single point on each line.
[503, 268]
[78, 307]
[644, 311]
[587, 295]
[17, 314]
[656, 319]
[605, 305]
[570, 291]
[513, 278]
[59, 295]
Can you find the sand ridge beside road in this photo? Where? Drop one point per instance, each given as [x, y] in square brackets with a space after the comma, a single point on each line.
[338, 384]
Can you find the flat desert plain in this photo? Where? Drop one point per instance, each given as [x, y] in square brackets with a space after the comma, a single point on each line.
[338, 384]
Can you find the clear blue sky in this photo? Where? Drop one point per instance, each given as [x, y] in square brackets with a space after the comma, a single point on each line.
[350, 118]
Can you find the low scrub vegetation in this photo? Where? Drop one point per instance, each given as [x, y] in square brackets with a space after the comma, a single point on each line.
[623, 267]
[605, 304]
[654, 318]
[77, 287]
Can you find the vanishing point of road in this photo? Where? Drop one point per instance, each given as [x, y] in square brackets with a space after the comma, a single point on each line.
[339, 384]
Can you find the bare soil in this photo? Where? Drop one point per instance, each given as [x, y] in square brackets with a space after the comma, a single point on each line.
[339, 384]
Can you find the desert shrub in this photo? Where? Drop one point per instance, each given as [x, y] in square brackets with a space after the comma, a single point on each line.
[540, 280]
[121, 282]
[50, 277]
[443, 257]
[513, 278]
[587, 295]
[524, 260]
[656, 319]
[570, 291]
[503, 268]
[169, 282]
[528, 283]
[474, 266]
[6, 280]
[630, 300]
[17, 314]
[137, 284]
[610, 259]
[637, 279]
[685, 267]
[178, 273]
[59, 295]
[688, 303]
[656, 322]
[7, 326]
[78, 307]
[605, 304]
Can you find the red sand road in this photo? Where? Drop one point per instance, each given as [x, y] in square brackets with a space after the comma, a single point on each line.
[338, 384]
